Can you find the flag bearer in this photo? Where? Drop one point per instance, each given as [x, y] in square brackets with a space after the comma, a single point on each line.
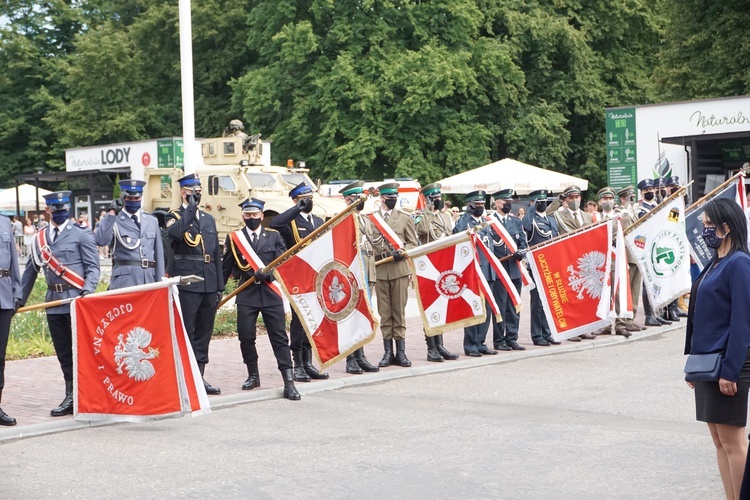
[10, 299]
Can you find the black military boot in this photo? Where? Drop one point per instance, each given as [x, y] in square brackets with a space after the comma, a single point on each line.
[66, 407]
[300, 375]
[672, 310]
[309, 368]
[290, 392]
[388, 358]
[209, 388]
[253, 377]
[401, 359]
[432, 353]
[663, 317]
[5, 419]
[362, 361]
[650, 318]
[445, 353]
[352, 366]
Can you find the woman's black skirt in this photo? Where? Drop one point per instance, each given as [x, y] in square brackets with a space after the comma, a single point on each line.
[714, 407]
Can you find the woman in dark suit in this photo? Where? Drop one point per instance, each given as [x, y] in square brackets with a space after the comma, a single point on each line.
[719, 320]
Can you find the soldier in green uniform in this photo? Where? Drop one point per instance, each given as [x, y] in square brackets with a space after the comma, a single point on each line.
[432, 225]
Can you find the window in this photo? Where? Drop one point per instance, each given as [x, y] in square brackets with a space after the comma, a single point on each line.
[218, 183]
[262, 181]
[229, 148]
[296, 178]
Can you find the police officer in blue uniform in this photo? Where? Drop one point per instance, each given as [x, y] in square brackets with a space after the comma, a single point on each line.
[258, 298]
[11, 296]
[539, 227]
[505, 332]
[295, 224]
[68, 254]
[475, 336]
[195, 242]
[133, 237]
[647, 187]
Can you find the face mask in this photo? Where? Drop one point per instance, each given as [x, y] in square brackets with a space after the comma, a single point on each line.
[672, 191]
[663, 193]
[541, 205]
[390, 203]
[60, 216]
[252, 223]
[710, 237]
[607, 206]
[477, 210]
[506, 208]
[648, 196]
[132, 206]
[308, 206]
[574, 204]
[194, 198]
[437, 204]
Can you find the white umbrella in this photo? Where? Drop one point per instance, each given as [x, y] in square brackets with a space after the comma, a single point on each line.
[510, 174]
[27, 196]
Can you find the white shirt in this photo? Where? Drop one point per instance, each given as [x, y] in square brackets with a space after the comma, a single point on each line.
[60, 229]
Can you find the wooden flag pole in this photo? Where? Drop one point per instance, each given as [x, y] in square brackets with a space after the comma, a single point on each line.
[324, 228]
[668, 199]
[440, 244]
[721, 186]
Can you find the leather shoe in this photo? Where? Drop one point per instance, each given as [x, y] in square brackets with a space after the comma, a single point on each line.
[6, 419]
[663, 321]
[622, 331]
[515, 345]
[588, 336]
[502, 347]
[65, 408]
[553, 341]
[541, 342]
[575, 339]
[652, 321]
[603, 331]
[250, 384]
[211, 389]
[637, 325]
[473, 354]
[487, 350]
[632, 327]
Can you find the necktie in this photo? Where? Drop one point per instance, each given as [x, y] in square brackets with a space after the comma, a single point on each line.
[135, 219]
[575, 218]
[55, 232]
[254, 238]
[385, 216]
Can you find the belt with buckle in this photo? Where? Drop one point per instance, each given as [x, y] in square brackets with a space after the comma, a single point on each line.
[206, 258]
[383, 255]
[4, 273]
[144, 263]
[59, 287]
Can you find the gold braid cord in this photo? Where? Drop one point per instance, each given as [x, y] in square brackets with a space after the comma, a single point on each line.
[237, 257]
[295, 232]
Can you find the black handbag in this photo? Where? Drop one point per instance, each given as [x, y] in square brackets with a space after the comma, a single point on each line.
[703, 367]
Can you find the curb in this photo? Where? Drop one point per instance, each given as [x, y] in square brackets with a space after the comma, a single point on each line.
[229, 401]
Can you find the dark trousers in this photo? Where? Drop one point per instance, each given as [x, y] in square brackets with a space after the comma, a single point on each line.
[5, 317]
[474, 336]
[199, 312]
[62, 338]
[507, 329]
[539, 326]
[273, 318]
[297, 336]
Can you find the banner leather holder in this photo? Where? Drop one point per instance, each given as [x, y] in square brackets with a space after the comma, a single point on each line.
[177, 280]
[297, 247]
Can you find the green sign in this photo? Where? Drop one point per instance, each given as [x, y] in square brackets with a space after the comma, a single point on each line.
[171, 153]
[622, 167]
[735, 151]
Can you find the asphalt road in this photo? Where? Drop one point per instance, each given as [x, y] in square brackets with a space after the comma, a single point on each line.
[615, 422]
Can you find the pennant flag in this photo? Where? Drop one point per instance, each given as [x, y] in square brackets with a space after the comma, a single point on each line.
[572, 276]
[448, 286]
[622, 278]
[660, 247]
[694, 221]
[502, 274]
[503, 234]
[326, 286]
[133, 360]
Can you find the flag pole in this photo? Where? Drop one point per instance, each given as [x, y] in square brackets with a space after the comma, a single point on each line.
[324, 228]
[177, 280]
[668, 199]
[721, 186]
[558, 238]
[436, 245]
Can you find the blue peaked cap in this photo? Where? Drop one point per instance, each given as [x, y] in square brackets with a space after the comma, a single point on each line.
[59, 200]
[189, 180]
[299, 190]
[132, 186]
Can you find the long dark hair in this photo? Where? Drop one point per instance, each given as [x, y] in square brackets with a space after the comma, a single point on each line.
[725, 211]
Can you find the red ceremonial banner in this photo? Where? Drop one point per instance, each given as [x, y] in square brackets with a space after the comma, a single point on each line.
[132, 358]
[573, 279]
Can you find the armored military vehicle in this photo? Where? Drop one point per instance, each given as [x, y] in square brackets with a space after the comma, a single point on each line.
[234, 168]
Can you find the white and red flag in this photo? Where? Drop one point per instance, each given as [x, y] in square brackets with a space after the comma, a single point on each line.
[326, 286]
[572, 276]
[623, 307]
[133, 361]
[449, 284]
[506, 238]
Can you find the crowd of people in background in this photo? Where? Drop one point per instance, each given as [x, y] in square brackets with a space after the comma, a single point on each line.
[25, 228]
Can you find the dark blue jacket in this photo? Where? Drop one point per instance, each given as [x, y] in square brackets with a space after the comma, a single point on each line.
[515, 229]
[485, 236]
[719, 313]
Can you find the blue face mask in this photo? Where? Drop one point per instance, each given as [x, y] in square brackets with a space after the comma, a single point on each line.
[132, 206]
[60, 216]
[710, 237]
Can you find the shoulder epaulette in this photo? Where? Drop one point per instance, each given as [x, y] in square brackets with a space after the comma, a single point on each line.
[270, 230]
